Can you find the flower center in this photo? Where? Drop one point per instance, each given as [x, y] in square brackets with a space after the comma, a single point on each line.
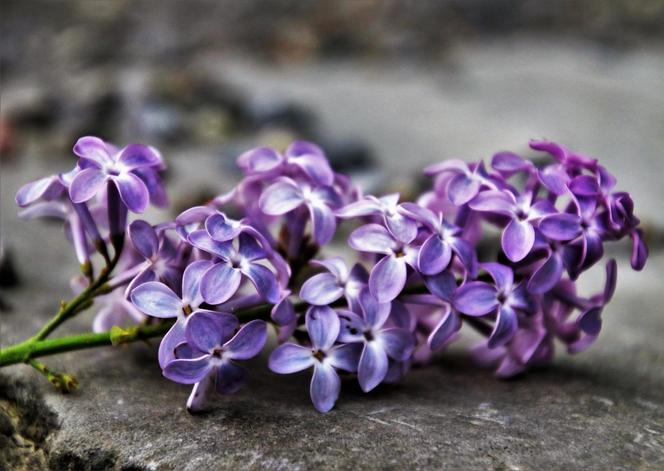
[186, 309]
[368, 335]
[319, 355]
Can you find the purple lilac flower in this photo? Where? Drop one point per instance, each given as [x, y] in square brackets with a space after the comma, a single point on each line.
[379, 340]
[327, 287]
[388, 276]
[523, 213]
[158, 300]
[208, 356]
[504, 298]
[101, 163]
[323, 355]
[301, 156]
[159, 253]
[223, 279]
[436, 252]
[401, 226]
[286, 195]
[458, 181]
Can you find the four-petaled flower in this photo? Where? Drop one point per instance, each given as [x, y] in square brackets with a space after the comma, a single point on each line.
[327, 287]
[207, 358]
[504, 298]
[323, 355]
[101, 162]
[436, 252]
[380, 340]
[286, 195]
[401, 226]
[223, 279]
[519, 234]
[302, 156]
[388, 276]
[158, 300]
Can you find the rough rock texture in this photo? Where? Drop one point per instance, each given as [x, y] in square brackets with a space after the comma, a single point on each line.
[603, 409]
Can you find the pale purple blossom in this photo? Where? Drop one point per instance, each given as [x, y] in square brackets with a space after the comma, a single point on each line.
[209, 355]
[323, 355]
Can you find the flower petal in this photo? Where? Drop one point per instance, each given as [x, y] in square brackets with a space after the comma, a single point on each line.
[93, 150]
[508, 163]
[547, 275]
[248, 342]
[441, 285]
[387, 278]
[494, 201]
[323, 326]
[311, 159]
[321, 289]
[503, 276]
[264, 281]
[375, 313]
[475, 298]
[280, 198]
[144, 238]
[448, 325]
[466, 254]
[283, 313]
[157, 300]
[639, 254]
[133, 191]
[506, 325]
[584, 185]
[334, 265]
[346, 357]
[201, 392]
[324, 224]
[397, 343]
[462, 188]
[188, 371]
[259, 160]
[173, 338]
[325, 387]
[86, 184]
[518, 239]
[250, 249]
[560, 226]
[434, 256]
[363, 207]
[46, 188]
[230, 378]
[220, 282]
[137, 155]
[191, 281]
[207, 330]
[351, 327]
[290, 358]
[202, 240]
[372, 238]
[401, 227]
[590, 321]
[218, 227]
[373, 366]
[611, 280]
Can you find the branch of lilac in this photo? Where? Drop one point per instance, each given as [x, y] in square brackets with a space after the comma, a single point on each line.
[209, 285]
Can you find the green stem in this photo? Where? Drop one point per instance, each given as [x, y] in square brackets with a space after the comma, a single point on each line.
[79, 303]
[26, 351]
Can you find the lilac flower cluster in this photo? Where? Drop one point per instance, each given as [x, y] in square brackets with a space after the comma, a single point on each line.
[220, 282]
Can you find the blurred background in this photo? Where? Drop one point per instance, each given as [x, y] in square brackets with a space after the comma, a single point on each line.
[386, 87]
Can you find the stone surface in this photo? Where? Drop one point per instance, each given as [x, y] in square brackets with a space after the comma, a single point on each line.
[603, 409]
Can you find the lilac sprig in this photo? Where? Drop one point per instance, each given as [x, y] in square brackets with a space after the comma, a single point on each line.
[211, 285]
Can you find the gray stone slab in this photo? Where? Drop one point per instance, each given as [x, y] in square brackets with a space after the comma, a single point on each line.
[603, 409]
